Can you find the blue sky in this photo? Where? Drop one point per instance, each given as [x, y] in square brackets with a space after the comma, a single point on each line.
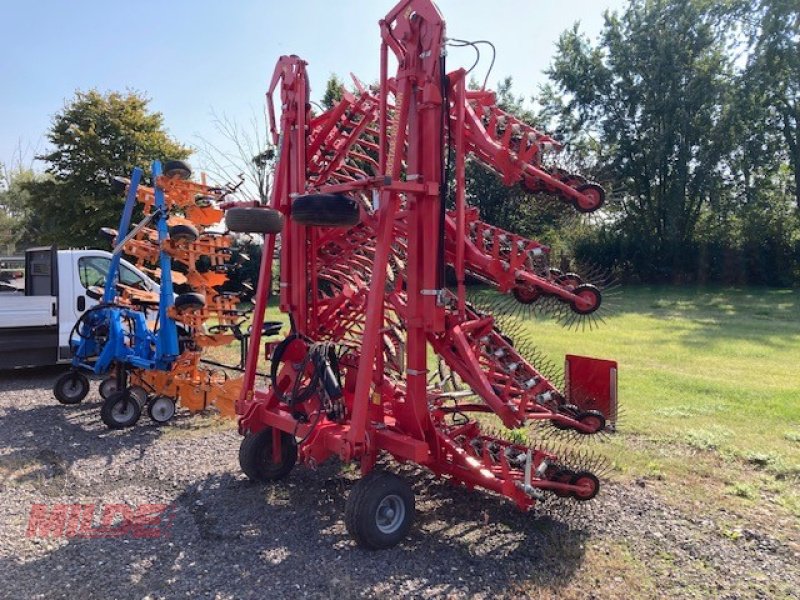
[197, 57]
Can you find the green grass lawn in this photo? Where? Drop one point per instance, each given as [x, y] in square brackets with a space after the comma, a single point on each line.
[709, 384]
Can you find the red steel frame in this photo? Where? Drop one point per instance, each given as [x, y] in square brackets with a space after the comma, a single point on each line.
[385, 147]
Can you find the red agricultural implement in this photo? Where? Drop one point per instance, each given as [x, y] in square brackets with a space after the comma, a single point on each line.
[375, 211]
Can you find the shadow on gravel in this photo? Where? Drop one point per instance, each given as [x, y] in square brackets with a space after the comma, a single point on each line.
[42, 441]
[23, 379]
[230, 538]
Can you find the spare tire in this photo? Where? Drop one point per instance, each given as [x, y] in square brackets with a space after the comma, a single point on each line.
[190, 301]
[176, 168]
[326, 210]
[253, 220]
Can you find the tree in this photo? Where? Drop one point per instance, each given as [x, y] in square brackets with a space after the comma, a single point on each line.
[774, 69]
[656, 94]
[95, 137]
[244, 151]
[333, 92]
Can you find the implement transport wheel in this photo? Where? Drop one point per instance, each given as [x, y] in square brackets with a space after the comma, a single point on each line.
[590, 484]
[190, 301]
[253, 220]
[588, 301]
[107, 387]
[120, 410]
[161, 409]
[255, 456]
[71, 388]
[183, 233]
[177, 168]
[326, 210]
[379, 510]
[593, 197]
[563, 476]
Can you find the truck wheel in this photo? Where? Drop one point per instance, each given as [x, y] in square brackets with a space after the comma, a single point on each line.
[71, 388]
[326, 210]
[190, 301]
[183, 233]
[120, 410]
[253, 220]
[176, 168]
[107, 387]
[379, 510]
[255, 456]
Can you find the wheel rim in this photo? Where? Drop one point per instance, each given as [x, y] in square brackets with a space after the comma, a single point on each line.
[390, 514]
[123, 410]
[162, 409]
[72, 388]
[589, 200]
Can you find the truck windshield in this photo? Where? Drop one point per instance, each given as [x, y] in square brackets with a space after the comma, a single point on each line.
[93, 270]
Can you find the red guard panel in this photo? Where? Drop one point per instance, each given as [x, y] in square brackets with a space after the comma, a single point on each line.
[592, 384]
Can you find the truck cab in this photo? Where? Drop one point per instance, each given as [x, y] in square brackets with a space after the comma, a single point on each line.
[36, 322]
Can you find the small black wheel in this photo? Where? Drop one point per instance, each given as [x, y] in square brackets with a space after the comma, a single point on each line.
[176, 168]
[107, 387]
[589, 299]
[120, 410]
[569, 410]
[590, 484]
[190, 301]
[562, 476]
[71, 387]
[183, 233]
[161, 409]
[592, 418]
[593, 196]
[326, 210]
[109, 234]
[569, 280]
[95, 292]
[203, 201]
[203, 264]
[119, 185]
[253, 220]
[255, 456]
[379, 510]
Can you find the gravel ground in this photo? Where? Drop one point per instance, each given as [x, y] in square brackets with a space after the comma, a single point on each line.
[231, 539]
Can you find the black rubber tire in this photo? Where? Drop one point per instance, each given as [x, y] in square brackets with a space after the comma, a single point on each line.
[326, 210]
[361, 511]
[255, 456]
[183, 233]
[158, 409]
[71, 388]
[109, 411]
[107, 387]
[587, 288]
[109, 234]
[176, 168]
[563, 476]
[253, 220]
[593, 189]
[190, 301]
[589, 416]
